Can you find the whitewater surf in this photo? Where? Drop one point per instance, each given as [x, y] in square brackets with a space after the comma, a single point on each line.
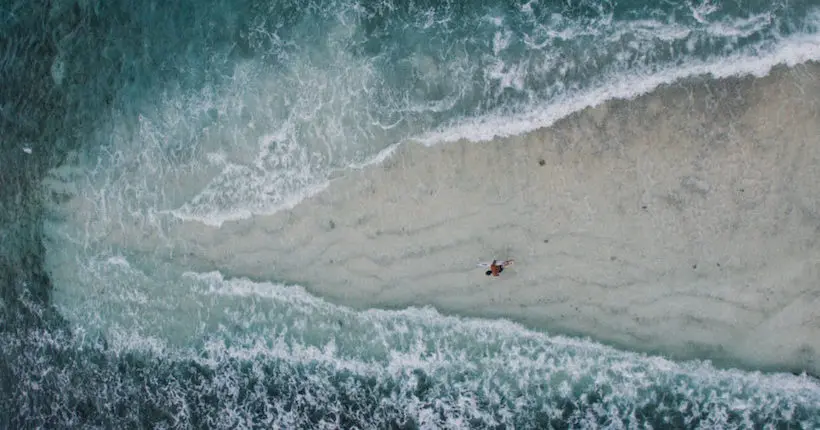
[242, 214]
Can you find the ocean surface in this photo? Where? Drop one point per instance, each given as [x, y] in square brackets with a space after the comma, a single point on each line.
[152, 113]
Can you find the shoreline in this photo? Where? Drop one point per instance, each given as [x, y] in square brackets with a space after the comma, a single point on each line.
[705, 279]
[681, 223]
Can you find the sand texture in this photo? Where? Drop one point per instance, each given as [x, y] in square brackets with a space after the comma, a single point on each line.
[684, 222]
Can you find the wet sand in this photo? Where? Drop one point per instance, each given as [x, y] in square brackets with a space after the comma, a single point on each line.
[684, 223]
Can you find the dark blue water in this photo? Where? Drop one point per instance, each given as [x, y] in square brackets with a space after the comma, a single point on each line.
[218, 110]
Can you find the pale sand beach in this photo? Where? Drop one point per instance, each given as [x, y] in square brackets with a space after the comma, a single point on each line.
[683, 223]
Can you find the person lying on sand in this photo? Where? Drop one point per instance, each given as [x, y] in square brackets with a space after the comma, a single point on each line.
[496, 267]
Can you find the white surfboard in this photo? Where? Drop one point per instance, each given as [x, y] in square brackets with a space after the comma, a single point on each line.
[502, 263]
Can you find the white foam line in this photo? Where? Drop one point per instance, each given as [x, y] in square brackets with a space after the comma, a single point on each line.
[434, 323]
[289, 203]
[797, 50]
[384, 154]
[430, 317]
[242, 213]
[235, 215]
[286, 351]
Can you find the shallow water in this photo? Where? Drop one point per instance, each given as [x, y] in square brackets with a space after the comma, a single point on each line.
[122, 117]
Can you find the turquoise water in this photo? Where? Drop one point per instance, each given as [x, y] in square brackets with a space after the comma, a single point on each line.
[149, 112]
[280, 358]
